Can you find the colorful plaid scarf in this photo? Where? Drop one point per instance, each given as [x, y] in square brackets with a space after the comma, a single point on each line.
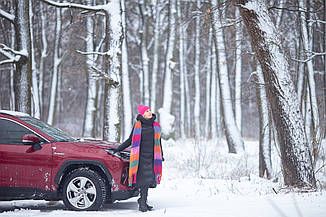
[135, 148]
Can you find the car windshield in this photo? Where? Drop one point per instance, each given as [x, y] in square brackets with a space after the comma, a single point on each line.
[55, 133]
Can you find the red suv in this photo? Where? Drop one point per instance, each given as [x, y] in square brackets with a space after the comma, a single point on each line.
[38, 161]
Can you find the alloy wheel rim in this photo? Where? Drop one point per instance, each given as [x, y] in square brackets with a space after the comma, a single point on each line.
[81, 192]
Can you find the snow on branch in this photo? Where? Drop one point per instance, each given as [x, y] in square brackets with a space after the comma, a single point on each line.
[108, 53]
[96, 52]
[317, 21]
[104, 75]
[6, 15]
[74, 5]
[309, 58]
[12, 60]
[99, 46]
[13, 56]
[295, 9]
[6, 53]
[92, 53]
[4, 47]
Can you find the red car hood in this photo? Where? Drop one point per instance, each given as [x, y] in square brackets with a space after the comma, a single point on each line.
[93, 143]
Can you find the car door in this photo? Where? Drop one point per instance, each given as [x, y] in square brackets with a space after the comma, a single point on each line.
[20, 165]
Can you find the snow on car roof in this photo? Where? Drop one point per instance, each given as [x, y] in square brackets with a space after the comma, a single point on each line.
[14, 113]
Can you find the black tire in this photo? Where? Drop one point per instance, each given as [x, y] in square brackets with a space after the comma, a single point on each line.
[84, 190]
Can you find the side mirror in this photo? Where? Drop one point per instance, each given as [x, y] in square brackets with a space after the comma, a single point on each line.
[31, 139]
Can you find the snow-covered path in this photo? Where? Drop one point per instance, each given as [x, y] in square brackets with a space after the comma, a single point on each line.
[228, 187]
[176, 203]
[237, 206]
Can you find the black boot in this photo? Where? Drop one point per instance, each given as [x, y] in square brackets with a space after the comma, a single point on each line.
[142, 200]
[149, 208]
[142, 205]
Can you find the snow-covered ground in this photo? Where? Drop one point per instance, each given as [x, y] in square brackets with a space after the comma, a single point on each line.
[202, 179]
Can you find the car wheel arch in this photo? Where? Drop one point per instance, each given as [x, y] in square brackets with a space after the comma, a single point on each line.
[71, 165]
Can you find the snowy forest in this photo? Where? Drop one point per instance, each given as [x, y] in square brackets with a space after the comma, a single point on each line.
[228, 70]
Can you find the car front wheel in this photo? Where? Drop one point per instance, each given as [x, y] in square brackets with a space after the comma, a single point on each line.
[84, 189]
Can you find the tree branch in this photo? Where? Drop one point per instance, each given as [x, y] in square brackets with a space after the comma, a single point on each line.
[317, 21]
[309, 58]
[4, 47]
[6, 53]
[295, 9]
[76, 6]
[92, 52]
[13, 60]
[99, 47]
[320, 168]
[7, 16]
[109, 80]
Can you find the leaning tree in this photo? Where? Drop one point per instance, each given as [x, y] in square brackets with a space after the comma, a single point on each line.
[281, 93]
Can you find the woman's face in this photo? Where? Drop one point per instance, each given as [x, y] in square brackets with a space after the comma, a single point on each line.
[148, 114]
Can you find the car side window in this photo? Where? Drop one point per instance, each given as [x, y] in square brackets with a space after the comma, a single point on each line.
[12, 133]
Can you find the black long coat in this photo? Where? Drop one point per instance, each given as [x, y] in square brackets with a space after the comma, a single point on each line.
[145, 173]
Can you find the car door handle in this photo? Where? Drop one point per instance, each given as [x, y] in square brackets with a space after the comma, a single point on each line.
[57, 153]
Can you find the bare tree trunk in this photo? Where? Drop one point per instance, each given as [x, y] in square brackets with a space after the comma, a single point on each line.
[12, 67]
[43, 54]
[56, 64]
[166, 110]
[112, 103]
[127, 111]
[188, 106]
[155, 67]
[12, 92]
[144, 54]
[296, 158]
[219, 124]
[238, 70]
[101, 83]
[59, 100]
[100, 105]
[169, 60]
[197, 123]
[214, 94]
[36, 111]
[232, 133]
[307, 47]
[111, 126]
[306, 109]
[265, 160]
[90, 111]
[208, 111]
[300, 82]
[182, 73]
[23, 73]
[188, 98]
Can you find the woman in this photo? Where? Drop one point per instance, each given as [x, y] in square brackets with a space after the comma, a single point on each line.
[145, 168]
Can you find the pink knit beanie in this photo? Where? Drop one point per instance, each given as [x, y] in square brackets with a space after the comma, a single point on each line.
[142, 109]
